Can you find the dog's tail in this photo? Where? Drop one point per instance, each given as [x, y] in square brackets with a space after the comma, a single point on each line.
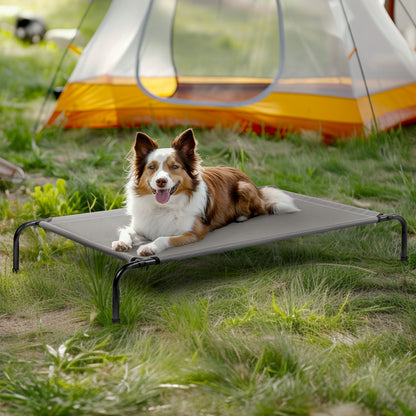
[277, 201]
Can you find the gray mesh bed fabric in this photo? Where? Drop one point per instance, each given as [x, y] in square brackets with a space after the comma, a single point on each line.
[97, 230]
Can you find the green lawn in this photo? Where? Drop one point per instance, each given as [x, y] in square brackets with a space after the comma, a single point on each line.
[319, 325]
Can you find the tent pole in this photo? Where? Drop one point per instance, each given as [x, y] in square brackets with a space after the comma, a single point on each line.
[55, 75]
[361, 67]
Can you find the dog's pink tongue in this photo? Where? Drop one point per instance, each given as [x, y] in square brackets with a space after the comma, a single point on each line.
[162, 196]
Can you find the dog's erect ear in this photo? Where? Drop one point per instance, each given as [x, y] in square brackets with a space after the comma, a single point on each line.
[144, 145]
[185, 143]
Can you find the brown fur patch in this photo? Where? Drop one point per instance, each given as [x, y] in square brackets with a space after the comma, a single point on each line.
[143, 180]
[143, 145]
[185, 146]
[180, 174]
[232, 194]
[199, 231]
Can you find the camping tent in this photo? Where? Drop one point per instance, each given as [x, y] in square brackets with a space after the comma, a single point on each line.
[340, 67]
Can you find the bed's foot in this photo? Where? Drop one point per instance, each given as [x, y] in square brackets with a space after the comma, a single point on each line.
[389, 217]
[16, 241]
[134, 264]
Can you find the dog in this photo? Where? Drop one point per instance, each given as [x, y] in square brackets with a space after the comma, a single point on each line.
[172, 200]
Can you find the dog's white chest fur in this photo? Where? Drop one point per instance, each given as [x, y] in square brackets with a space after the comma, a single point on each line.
[152, 220]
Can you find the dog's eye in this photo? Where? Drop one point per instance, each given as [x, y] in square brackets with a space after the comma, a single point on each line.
[174, 167]
[152, 167]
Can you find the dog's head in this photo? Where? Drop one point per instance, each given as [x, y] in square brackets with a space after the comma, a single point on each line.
[165, 172]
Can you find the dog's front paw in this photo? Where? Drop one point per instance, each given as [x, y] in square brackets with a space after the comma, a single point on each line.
[120, 246]
[147, 250]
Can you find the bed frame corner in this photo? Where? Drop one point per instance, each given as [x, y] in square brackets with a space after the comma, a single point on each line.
[389, 217]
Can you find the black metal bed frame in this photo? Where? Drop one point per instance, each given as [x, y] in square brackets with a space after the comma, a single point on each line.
[138, 262]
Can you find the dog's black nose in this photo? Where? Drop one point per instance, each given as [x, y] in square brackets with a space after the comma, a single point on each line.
[161, 182]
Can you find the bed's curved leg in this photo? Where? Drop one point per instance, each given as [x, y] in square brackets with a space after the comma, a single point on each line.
[389, 217]
[16, 240]
[134, 264]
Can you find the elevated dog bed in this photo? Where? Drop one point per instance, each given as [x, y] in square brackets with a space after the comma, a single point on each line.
[97, 230]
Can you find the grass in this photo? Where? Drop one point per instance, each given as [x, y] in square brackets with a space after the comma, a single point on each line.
[320, 325]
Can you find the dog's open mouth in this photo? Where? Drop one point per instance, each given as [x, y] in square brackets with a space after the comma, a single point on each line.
[163, 195]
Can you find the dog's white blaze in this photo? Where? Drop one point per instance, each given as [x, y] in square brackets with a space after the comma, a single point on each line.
[160, 156]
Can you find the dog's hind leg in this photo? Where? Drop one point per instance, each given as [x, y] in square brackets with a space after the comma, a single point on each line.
[249, 202]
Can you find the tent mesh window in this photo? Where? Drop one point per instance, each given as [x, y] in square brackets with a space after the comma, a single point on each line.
[222, 51]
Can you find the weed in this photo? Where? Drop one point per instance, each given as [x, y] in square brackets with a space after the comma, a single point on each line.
[93, 195]
[52, 201]
[72, 383]
[71, 358]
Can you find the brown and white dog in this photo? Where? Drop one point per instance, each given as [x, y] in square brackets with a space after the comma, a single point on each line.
[173, 201]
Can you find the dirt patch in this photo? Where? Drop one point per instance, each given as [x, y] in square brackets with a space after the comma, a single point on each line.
[63, 319]
[345, 409]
